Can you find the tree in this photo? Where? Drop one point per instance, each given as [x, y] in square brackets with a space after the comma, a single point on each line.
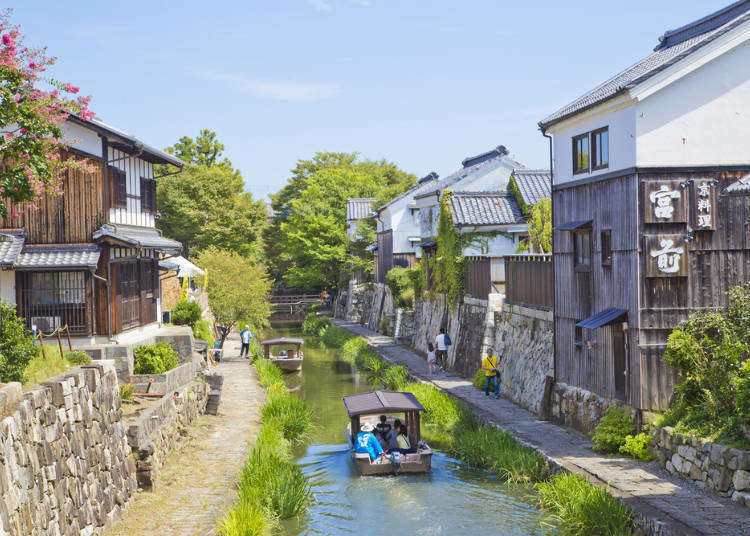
[206, 205]
[540, 228]
[239, 289]
[203, 150]
[307, 240]
[33, 156]
[16, 345]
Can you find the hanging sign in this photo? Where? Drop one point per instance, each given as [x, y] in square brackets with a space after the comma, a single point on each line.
[704, 209]
[666, 256]
[665, 202]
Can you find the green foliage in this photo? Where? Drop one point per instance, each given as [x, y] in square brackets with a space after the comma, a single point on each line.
[16, 345]
[637, 446]
[449, 264]
[39, 369]
[307, 240]
[583, 509]
[478, 380]
[612, 430]
[333, 337]
[203, 150]
[540, 228]
[268, 373]
[126, 391]
[314, 324]
[711, 351]
[290, 413]
[247, 518]
[418, 276]
[77, 358]
[396, 378]
[401, 283]
[238, 290]
[202, 332]
[154, 358]
[186, 313]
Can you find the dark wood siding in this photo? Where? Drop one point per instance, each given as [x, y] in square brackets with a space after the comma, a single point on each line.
[405, 260]
[529, 280]
[478, 278]
[385, 255]
[68, 218]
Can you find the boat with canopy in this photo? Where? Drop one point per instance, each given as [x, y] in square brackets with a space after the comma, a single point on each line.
[366, 408]
[290, 356]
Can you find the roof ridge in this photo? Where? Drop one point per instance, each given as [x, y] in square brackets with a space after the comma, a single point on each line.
[464, 193]
[704, 24]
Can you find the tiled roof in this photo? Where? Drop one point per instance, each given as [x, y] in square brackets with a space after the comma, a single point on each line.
[11, 242]
[58, 256]
[741, 187]
[673, 46]
[485, 208]
[533, 184]
[358, 208]
[144, 237]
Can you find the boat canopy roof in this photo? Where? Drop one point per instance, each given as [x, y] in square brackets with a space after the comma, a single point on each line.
[282, 340]
[380, 402]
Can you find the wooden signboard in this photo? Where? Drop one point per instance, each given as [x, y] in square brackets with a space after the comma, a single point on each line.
[665, 202]
[703, 205]
[666, 256]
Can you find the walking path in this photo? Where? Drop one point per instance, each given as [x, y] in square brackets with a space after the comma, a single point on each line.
[670, 506]
[197, 481]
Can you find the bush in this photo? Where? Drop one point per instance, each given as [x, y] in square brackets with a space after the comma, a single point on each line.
[155, 359]
[400, 281]
[637, 446]
[333, 337]
[314, 324]
[353, 348]
[612, 430]
[478, 380]
[186, 313]
[202, 331]
[583, 509]
[16, 345]
[77, 358]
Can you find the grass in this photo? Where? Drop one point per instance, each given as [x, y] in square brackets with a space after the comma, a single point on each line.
[40, 369]
[126, 391]
[289, 413]
[333, 337]
[583, 509]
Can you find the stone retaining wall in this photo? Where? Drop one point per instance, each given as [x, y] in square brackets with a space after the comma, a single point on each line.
[709, 466]
[161, 384]
[65, 464]
[579, 408]
[157, 430]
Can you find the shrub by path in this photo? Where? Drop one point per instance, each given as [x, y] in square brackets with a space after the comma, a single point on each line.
[677, 507]
[197, 481]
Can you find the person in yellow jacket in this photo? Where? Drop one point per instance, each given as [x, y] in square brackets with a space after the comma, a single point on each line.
[491, 367]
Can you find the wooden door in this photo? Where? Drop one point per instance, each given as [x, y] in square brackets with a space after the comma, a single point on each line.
[128, 294]
[620, 354]
[147, 292]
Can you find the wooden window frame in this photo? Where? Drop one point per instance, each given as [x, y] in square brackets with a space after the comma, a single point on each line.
[148, 195]
[579, 267]
[606, 251]
[592, 147]
[119, 188]
[576, 170]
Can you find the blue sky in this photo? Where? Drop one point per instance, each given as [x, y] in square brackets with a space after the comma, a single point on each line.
[423, 84]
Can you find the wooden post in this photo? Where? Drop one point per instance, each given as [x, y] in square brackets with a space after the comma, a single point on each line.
[67, 332]
[41, 345]
[59, 341]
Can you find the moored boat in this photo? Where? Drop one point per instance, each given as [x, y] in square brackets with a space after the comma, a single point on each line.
[364, 409]
[289, 358]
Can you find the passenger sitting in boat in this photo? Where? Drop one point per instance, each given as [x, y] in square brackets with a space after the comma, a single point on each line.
[392, 436]
[383, 427]
[365, 442]
[404, 445]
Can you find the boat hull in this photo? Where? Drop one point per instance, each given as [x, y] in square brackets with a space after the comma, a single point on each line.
[417, 462]
[287, 365]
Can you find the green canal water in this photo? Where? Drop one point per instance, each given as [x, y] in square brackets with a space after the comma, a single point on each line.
[453, 499]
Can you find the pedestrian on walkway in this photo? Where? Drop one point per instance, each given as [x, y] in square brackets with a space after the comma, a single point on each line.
[442, 341]
[491, 373]
[431, 359]
[245, 337]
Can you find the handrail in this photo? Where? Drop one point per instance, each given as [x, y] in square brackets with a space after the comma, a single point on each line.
[41, 336]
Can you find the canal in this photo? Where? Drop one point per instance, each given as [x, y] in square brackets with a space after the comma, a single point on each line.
[452, 499]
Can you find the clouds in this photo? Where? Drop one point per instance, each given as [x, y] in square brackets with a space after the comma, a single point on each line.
[275, 90]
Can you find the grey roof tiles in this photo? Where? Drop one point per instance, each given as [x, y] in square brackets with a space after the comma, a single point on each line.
[358, 208]
[741, 187]
[144, 237]
[58, 256]
[11, 242]
[533, 184]
[673, 47]
[485, 209]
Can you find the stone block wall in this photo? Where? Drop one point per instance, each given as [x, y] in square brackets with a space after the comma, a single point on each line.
[578, 408]
[709, 466]
[523, 340]
[65, 464]
[158, 429]
[161, 384]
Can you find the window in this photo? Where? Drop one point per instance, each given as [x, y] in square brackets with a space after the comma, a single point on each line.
[606, 237]
[591, 151]
[582, 250]
[118, 188]
[600, 148]
[148, 195]
[581, 154]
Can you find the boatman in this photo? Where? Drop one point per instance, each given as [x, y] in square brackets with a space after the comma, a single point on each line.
[366, 442]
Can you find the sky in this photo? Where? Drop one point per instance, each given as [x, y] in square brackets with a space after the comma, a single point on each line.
[421, 84]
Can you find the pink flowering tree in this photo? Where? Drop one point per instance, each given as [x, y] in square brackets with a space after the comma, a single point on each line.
[33, 156]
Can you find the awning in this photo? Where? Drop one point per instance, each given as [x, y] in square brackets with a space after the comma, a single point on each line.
[182, 266]
[372, 247]
[602, 318]
[380, 402]
[138, 237]
[282, 340]
[58, 257]
[572, 225]
[427, 244]
[11, 242]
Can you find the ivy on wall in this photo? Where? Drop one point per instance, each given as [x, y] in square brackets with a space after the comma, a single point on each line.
[449, 264]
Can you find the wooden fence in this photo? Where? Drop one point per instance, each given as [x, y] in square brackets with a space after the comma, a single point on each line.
[478, 277]
[530, 280]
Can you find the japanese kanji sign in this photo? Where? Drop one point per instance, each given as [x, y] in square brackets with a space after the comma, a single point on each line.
[666, 256]
[704, 209]
[665, 202]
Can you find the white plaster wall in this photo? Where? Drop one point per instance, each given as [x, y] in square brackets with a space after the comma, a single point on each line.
[499, 245]
[134, 168]
[701, 119]
[621, 123]
[8, 286]
[82, 138]
[497, 179]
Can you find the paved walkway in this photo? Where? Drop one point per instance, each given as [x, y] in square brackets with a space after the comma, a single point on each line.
[673, 506]
[197, 481]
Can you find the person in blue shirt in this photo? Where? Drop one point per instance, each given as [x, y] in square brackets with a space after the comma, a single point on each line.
[245, 337]
[366, 442]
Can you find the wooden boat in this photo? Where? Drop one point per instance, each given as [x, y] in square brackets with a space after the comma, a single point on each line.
[289, 358]
[366, 408]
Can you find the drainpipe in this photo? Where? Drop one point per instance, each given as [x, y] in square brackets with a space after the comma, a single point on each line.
[552, 216]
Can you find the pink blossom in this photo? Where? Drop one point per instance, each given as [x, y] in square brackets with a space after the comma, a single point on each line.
[8, 40]
[70, 88]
